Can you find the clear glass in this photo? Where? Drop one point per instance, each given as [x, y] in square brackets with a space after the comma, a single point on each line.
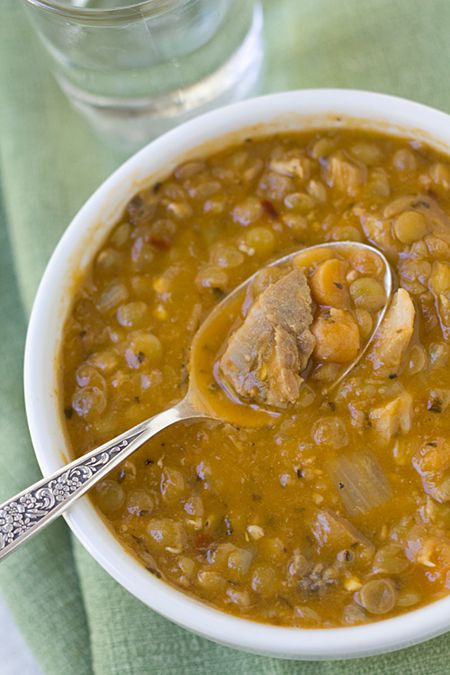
[135, 69]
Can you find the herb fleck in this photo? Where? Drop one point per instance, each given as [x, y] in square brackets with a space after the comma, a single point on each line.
[422, 203]
[228, 527]
[269, 208]
[218, 293]
[435, 405]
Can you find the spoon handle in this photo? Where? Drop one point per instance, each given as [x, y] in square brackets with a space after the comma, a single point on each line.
[32, 509]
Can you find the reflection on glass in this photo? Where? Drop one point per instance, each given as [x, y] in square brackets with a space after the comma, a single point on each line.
[136, 69]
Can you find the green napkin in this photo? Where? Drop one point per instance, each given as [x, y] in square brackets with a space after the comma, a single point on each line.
[76, 619]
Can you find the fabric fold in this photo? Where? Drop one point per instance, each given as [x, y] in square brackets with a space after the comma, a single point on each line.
[39, 581]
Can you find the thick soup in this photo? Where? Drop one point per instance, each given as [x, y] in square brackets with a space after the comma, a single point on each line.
[337, 510]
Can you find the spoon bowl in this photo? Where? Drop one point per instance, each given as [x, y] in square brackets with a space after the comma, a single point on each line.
[212, 334]
[208, 397]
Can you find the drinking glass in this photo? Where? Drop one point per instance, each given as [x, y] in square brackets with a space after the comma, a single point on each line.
[135, 69]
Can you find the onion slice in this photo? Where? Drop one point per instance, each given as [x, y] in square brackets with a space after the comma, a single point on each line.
[360, 482]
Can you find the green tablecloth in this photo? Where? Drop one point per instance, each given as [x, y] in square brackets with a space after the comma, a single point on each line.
[76, 619]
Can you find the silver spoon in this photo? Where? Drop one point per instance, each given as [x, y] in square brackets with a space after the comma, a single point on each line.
[35, 507]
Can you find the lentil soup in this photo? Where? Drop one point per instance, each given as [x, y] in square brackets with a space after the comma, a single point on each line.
[336, 511]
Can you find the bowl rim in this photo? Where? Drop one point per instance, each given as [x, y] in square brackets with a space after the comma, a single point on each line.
[39, 375]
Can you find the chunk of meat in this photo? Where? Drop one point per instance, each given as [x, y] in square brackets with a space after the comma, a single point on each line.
[334, 533]
[265, 356]
[283, 365]
[394, 335]
[432, 462]
[439, 284]
[390, 418]
[377, 231]
[345, 173]
[429, 550]
[292, 166]
[142, 207]
[440, 277]
[444, 313]
[438, 400]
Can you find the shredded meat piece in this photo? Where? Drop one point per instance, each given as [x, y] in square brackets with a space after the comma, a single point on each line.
[334, 533]
[394, 335]
[377, 231]
[291, 166]
[432, 462]
[141, 208]
[390, 418]
[345, 173]
[429, 549]
[265, 356]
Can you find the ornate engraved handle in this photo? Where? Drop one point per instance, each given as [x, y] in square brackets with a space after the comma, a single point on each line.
[34, 508]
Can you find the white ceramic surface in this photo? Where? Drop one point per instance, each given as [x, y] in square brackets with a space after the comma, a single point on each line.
[291, 110]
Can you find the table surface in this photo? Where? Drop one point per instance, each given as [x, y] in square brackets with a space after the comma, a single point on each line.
[15, 657]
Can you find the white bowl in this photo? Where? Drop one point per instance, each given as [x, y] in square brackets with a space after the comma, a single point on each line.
[286, 111]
